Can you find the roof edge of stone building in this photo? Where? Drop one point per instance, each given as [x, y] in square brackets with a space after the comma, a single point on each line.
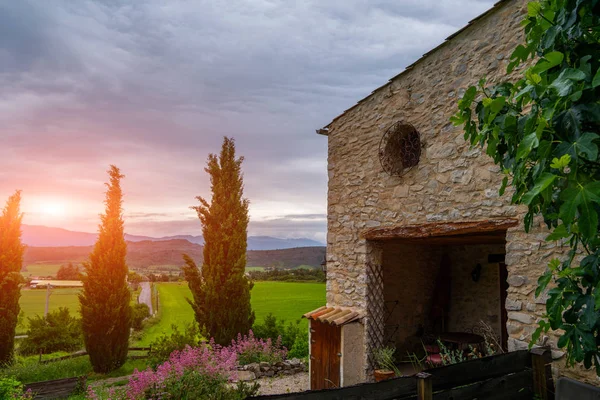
[336, 316]
[325, 130]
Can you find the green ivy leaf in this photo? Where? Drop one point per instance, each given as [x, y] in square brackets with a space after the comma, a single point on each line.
[533, 8]
[596, 80]
[568, 209]
[589, 316]
[542, 282]
[562, 162]
[586, 146]
[564, 82]
[468, 97]
[527, 144]
[503, 186]
[560, 232]
[540, 184]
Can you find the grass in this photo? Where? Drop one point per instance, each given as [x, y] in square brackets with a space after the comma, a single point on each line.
[27, 369]
[33, 302]
[286, 300]
[173, 310]
[41, 269]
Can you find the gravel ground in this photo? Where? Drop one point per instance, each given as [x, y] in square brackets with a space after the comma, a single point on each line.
[275, 385]
[284, 384]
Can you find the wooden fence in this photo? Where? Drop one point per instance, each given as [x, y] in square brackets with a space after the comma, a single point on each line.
[84, 353]
[516, 375]
[56, 389]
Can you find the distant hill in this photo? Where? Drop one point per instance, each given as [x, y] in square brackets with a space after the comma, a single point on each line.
[148, 253]
[43, 236]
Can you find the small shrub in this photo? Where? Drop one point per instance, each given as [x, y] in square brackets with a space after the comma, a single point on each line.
[59, 331]
[251, 349]
[300, 347]
[292, 335]
[167, 344]
[139, 313]
[12, 389]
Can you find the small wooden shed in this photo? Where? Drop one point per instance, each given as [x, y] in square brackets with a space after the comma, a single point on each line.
[335, 334]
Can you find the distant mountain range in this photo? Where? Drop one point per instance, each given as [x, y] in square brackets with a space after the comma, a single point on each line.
[44, 236]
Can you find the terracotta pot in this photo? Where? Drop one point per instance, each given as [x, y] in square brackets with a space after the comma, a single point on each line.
[383, 374]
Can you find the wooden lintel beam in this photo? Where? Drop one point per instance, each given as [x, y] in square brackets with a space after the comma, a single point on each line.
[440, 229]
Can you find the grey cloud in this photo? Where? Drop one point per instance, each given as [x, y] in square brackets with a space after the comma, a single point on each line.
[152, 86]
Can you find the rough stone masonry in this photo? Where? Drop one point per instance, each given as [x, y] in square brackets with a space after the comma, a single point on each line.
[452, 182]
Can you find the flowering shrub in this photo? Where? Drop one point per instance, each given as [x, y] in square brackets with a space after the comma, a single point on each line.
[198, 372]
[202, 372]
[250, 349]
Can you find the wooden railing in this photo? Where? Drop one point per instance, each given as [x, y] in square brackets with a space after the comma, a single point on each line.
[84, 353]
[516, 375]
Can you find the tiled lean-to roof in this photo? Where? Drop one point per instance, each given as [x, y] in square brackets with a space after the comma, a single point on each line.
[337, 316]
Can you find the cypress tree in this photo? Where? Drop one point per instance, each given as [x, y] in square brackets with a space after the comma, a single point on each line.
[220, 289]
[105, 298]
[11, 260]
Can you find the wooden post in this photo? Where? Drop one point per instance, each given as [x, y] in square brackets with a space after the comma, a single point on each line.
[424, 386]
[541, 362]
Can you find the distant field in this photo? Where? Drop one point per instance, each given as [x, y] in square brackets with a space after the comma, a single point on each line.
[286, 300]
[305, 267]
[249, 269]
[41, 269]
[33, 302]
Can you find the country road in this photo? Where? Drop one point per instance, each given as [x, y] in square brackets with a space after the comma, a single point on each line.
[146, 295]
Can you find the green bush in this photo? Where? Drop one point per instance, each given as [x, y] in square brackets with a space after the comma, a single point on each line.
[293, 336]
[10, 388]
[59, 331]
[300, 347]
[166, 344]
[139, 313]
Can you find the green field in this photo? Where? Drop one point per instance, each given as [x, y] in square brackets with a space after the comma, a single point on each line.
[33, 302]
[286, 300]
[249, 269]
[41, 269]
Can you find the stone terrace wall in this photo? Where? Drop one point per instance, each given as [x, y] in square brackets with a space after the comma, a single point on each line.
[452, 181]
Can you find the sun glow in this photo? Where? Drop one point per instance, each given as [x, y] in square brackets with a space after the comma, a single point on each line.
[52, 209]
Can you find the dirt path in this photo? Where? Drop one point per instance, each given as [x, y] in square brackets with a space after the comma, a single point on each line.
[146, 295]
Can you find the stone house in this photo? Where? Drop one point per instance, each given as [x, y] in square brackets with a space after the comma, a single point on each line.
[431, 247]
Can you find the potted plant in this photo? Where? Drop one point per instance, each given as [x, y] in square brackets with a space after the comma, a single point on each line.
[385, 367]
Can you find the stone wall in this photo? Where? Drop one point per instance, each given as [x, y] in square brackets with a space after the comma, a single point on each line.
[472, 302]
[409, 273]
[452, 182]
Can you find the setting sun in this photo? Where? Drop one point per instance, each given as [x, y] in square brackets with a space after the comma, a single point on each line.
[52, 209]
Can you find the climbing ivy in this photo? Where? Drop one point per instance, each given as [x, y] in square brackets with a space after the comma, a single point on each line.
[543, 130]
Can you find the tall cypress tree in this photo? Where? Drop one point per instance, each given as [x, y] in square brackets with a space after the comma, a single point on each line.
[11, 260]
[220, 290]
[105, 298]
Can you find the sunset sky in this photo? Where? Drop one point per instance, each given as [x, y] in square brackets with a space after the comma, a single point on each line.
[152, 86]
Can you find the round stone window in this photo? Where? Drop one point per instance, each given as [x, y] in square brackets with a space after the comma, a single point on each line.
[400, 148]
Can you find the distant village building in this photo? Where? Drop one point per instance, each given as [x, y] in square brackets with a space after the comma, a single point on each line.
[419, 241]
